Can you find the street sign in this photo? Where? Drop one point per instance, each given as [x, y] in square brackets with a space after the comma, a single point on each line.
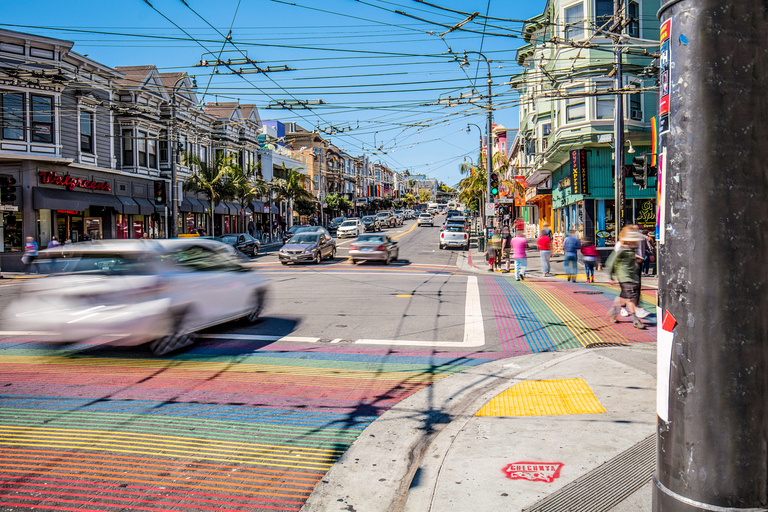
[490, 209]
[8, 208]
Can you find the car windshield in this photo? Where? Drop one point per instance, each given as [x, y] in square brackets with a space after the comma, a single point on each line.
[455, 228]
[229, 239]
[338, 219]
[309, 229]
[102, 263]
[369, 218]
[371, 238]
[305, 238]
[295, 229]
[349, 223]
[425, 216]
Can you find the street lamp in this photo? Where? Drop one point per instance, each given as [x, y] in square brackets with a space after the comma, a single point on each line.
[175, 147]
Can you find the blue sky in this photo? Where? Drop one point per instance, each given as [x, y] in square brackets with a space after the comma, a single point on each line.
[387, 80]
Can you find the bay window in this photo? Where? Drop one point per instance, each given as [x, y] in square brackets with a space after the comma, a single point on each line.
[86, 132]
[141, 148]
[42, 119]
[574, 22]
[12, 115]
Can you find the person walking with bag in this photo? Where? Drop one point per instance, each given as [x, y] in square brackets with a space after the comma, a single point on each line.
[519, 245]
[623, 264]
[571, 246]
[544, 243]
[590, 255]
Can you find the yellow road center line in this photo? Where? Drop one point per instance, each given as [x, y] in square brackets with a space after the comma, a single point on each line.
[401, 234]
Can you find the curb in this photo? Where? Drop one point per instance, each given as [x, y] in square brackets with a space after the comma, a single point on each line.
[390, 450]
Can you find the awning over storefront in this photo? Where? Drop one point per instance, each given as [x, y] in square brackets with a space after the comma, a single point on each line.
[129, 205]
[192, 205]
[274, 210]
[145, 206]
[55, 199]
[234, 209]
[535, 194]
[258, 207]
[221, 209]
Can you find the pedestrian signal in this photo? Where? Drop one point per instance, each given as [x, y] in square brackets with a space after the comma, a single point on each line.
[7, 188]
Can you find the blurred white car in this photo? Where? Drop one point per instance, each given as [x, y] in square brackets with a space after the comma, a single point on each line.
[130, 292]
[425, 219]
[351, 227]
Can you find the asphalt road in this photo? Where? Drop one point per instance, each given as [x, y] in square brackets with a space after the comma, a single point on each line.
[252, 416]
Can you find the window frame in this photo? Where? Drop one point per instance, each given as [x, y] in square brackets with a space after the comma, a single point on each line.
[572, 102]
[141, 140]
[91, 122]
[51, 124]
[162, 147]
[634, 24]
[128, 154]
[580, 25]
[22, 117]
[637, 99]
[600, 21]
[152, 156]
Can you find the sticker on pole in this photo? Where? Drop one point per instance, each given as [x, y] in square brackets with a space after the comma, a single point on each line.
[665, 60]
[534, 471]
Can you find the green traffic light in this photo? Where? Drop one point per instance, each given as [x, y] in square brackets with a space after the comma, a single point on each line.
[494, 191]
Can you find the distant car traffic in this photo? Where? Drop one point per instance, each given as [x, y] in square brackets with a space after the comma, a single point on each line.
[292, 231]
[425, 219]
[386, 219]
[350, 227]
[243, 242]
[335, 223]
[371, 223]
[375, 247]
[131, 292]
[307, 247]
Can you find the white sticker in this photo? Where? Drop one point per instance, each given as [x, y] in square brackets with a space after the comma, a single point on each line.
[664, 341]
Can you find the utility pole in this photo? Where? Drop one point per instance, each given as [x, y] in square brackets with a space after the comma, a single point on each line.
[618, 120]
[712, 409]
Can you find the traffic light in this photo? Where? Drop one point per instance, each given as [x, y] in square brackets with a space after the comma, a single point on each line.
[494, 185]
[641, 170]
[7, 188]
[160, 197]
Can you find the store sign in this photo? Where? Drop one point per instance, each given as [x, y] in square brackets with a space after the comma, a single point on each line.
[48, 177]
[579, 171]
[531, 193]
[68, 212]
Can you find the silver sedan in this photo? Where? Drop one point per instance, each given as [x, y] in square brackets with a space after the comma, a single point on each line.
[374, 248]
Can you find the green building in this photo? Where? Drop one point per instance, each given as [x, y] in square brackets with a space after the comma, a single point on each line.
[567, 110]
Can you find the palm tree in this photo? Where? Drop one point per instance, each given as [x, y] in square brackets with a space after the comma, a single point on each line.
[212, 181]
[291, 188]
[247, 186]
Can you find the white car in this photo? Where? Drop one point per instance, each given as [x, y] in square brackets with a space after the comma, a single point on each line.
[351, 227]
[130, 292]
[425, 219]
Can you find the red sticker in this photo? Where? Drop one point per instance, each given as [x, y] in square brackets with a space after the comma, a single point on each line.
[534, 471]
[669, 322]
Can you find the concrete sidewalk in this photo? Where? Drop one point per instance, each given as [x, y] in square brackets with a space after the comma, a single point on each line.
[571, 430]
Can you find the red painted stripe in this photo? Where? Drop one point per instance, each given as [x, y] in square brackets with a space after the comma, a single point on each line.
[150, 509]
[51, 507]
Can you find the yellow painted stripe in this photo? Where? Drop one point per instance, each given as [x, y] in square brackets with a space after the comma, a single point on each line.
[544, 398]
[581, 331]
[258, 461]
[183, 441]
[402, 234]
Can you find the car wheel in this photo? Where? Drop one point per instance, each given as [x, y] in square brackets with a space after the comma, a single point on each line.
[178, 338]
[258, 301]
[318, 258]
[284, 262]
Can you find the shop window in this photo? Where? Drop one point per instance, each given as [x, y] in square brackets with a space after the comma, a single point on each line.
[86, 132]
[12, 115]
[127, 148]
[42, 119]
[12, 232]
[141, 148]
[574, 22]
[635, 107]
[122, 226]
[152, 152]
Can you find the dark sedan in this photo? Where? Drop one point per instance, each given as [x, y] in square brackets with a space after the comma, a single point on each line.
[374, 247]
[243, 242]
[307, 247]
[292, 231]
[335, 223]
[371, 223]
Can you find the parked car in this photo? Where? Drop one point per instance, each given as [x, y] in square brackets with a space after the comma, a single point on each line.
[376, 247]
[425, 219]
[335, 223]
[350, 227]
[386, 219]
[454, 236]
[292, 231]
[243, 242]
[132, 292]
[306, 247]
[371, 223]
[400, 216]
[395, 221]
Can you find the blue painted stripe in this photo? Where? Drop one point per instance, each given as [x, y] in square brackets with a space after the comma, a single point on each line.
[534, 332]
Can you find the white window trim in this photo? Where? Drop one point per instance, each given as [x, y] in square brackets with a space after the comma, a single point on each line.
[584, 21]
[87, 158]
[569, 90]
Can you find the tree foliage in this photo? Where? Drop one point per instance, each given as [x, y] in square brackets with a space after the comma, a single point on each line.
[305, 207]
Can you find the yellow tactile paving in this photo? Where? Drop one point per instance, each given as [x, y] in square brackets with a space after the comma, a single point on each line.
[544, 398]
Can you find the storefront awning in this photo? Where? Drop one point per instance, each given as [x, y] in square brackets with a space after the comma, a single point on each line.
[274, 210]
[63, 199]
[146, 207]
[221, 209]
[234, 209]
[192, 205]
[129, 205]
[257, 206]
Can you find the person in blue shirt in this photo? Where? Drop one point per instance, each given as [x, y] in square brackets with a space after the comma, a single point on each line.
[571, 246]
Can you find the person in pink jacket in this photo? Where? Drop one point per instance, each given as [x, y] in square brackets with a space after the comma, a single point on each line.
[519, 244]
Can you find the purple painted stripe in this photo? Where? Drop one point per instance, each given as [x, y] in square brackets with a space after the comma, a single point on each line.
[509, 327]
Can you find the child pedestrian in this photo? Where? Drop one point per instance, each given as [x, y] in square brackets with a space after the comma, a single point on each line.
[589, 252]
